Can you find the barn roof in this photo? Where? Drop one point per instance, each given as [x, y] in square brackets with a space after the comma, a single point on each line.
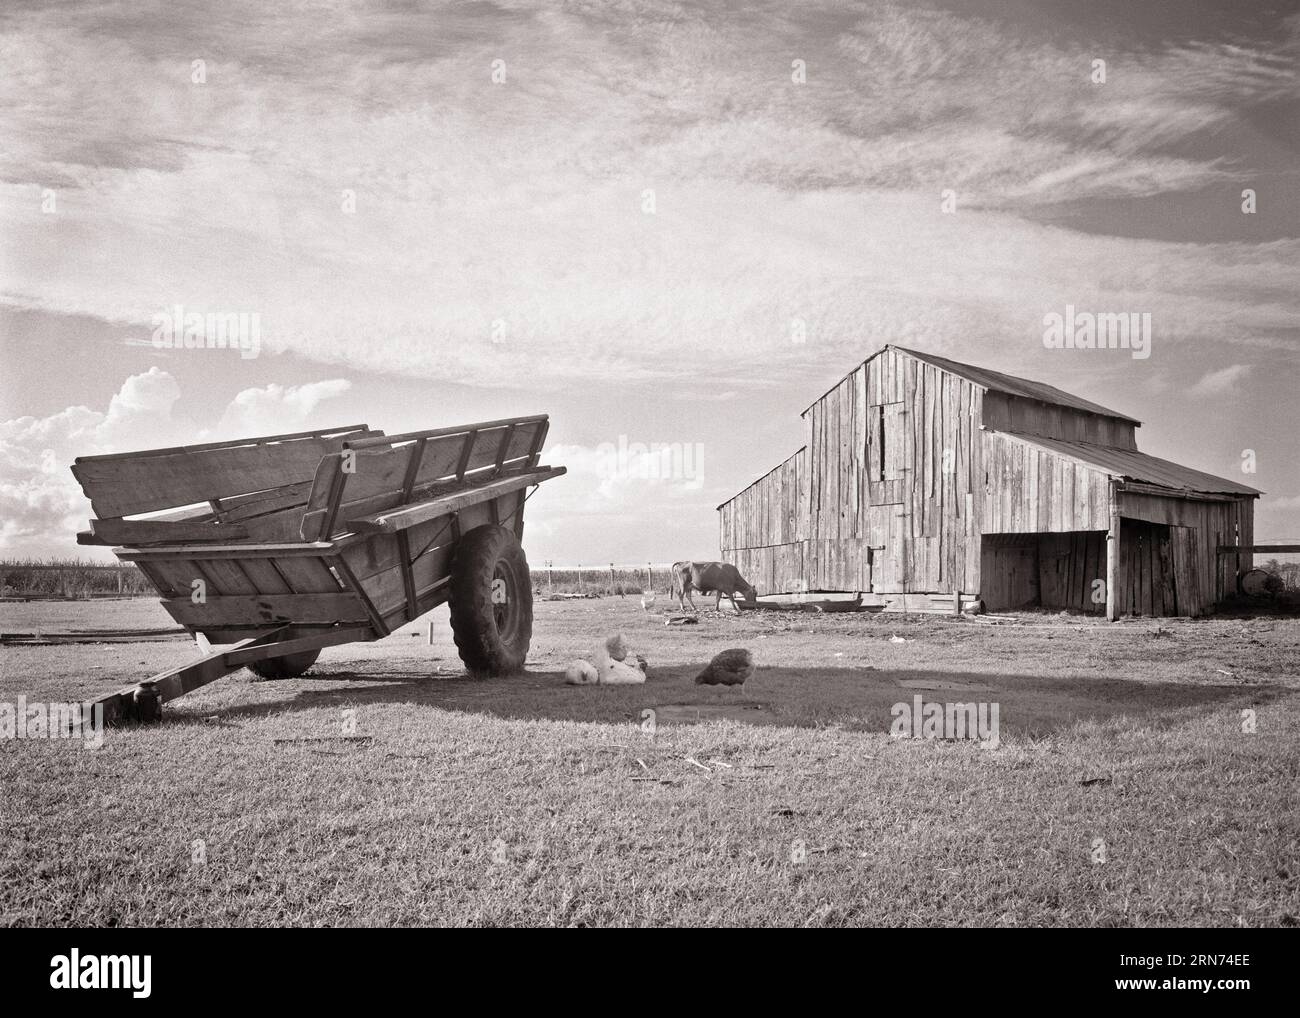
[1135, 466]
[996, 381]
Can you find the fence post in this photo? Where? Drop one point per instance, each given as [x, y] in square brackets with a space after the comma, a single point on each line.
[581, 589]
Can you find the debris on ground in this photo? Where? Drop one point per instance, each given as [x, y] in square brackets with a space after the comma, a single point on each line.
[681, 620]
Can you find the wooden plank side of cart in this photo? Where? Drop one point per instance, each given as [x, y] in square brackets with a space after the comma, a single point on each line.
[376, 539]
[411, 496]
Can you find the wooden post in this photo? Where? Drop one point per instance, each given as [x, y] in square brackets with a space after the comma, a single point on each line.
[611, 579]
[581, 588]
[1112, 564]
[649, 579]
[956, 599]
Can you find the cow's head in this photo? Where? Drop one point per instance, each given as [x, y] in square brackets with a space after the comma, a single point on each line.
[751, 593]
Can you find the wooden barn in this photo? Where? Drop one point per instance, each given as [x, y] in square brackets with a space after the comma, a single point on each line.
[927, 484]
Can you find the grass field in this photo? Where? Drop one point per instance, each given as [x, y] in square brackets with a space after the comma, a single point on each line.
[1124, 791]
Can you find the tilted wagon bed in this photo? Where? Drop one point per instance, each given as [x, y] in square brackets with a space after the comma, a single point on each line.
[284, 545]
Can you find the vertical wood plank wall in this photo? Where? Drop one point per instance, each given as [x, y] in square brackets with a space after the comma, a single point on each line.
[897, 518]
[1213, 523]
[764, 528]
[1031, 491]
[902, 517]
[1008, 413]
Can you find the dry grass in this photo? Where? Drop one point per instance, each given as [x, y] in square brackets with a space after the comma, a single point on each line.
[517, 801]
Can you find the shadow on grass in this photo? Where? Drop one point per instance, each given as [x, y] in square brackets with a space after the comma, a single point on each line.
[855, 699]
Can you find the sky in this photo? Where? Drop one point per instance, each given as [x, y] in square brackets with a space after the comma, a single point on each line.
[665, 224]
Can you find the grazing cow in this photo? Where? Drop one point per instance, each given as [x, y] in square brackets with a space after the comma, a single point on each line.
[716, 578]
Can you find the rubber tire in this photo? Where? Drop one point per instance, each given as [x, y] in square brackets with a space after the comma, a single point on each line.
[492, 639]
[288, 667]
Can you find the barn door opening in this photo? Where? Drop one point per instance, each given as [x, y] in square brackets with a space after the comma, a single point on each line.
[1146, 575]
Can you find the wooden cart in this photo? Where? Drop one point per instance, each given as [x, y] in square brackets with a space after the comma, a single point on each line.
[278, 547]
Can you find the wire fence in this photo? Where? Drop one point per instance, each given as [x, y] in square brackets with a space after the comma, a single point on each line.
[611, 579]
[73, 580]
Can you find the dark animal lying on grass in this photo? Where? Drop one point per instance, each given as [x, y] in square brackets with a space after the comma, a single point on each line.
[716, 578]
[730, 668]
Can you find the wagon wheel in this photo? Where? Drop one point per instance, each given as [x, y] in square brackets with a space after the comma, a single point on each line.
[491, 601]
[289, 666]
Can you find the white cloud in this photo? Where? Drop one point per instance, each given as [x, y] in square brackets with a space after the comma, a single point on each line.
[521, 203]
[1223, 380]
[41, 505]
[275, 409]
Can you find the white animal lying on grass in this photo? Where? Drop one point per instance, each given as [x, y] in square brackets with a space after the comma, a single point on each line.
[611, 667]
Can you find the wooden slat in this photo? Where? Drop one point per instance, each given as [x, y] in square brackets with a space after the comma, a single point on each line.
[146, 482]
[265, 576]
[380, 478]
[453, 430]
[143, 532]
[315, 641]
[180, 552]
[396, 520]
[264, 609]
[121, 704]
[225, 576]
[307, 575]
[173, 575]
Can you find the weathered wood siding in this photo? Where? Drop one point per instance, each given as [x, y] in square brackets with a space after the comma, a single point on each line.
[1212, 523]
[1028, 490]
[764, 528]
[1072, 571]
[1011, 413]
[894, 455]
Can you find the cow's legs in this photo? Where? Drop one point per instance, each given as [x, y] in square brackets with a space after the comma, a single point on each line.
[690, 597]
[717, 600]
[731, 596]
